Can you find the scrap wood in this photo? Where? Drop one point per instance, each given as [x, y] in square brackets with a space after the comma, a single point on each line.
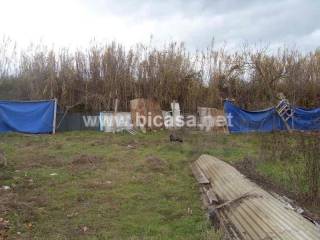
[199, 175]
[237, 199]
[211, 196]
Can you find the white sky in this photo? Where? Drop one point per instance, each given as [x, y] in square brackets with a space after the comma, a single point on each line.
[73, 23]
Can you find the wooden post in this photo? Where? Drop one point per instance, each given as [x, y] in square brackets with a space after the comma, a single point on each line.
[116, 102]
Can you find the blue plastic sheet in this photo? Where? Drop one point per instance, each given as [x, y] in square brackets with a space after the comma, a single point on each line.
[306, 119]
[27, 117]
[268, 120]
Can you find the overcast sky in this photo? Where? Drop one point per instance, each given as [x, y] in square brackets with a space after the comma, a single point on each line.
[73, 23]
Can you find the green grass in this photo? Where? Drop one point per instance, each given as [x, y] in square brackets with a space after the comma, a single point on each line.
[91, 185]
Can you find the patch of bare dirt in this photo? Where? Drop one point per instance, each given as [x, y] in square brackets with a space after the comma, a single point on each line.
[4, 227]
[36, 160]
[99, 142]
[84, 161]
[98, 184]
[19, 201]
[31, 144]
[6, 197]
[58, 146]
[156, 164]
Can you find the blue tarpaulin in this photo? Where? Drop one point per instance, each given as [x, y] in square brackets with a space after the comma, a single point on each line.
[306, 119]
[27, 117]
[268, 120]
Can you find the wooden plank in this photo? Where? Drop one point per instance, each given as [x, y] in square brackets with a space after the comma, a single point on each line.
[199, 175]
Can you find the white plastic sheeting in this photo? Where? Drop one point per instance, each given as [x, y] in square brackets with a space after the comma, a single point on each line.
[176, 116]
[115, 122]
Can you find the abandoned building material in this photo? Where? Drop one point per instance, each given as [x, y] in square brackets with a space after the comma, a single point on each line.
[115, 121]
[269, 120]
[28, 116]
[148, 109]
[176, 113]
[211, 119]
[243, 209]
[166, 115]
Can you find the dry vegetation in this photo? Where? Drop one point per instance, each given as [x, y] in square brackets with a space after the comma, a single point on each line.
[298, 154]
[93, 77]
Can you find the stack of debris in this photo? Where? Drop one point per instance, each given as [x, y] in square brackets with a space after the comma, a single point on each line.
[244, 210]
[115, 121]
[146, 114]
[211, 119]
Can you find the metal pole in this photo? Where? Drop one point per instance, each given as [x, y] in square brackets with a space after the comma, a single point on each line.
[54, 116]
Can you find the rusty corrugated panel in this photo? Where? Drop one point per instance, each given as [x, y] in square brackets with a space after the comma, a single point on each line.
[247, 211]
[147, 108]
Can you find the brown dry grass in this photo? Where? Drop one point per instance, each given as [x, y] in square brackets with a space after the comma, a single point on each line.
[92, 78]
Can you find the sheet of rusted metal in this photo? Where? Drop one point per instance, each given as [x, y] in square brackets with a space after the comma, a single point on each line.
[145, 108]
[245, 210]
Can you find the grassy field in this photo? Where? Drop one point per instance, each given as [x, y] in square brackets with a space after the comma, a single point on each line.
[93, 185]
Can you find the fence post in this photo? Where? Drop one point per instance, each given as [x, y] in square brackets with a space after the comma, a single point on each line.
[54, 116]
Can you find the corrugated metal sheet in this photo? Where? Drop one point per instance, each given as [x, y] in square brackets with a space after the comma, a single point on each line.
[245, 210]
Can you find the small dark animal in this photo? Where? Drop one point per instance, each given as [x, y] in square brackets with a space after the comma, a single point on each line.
[174, 138]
